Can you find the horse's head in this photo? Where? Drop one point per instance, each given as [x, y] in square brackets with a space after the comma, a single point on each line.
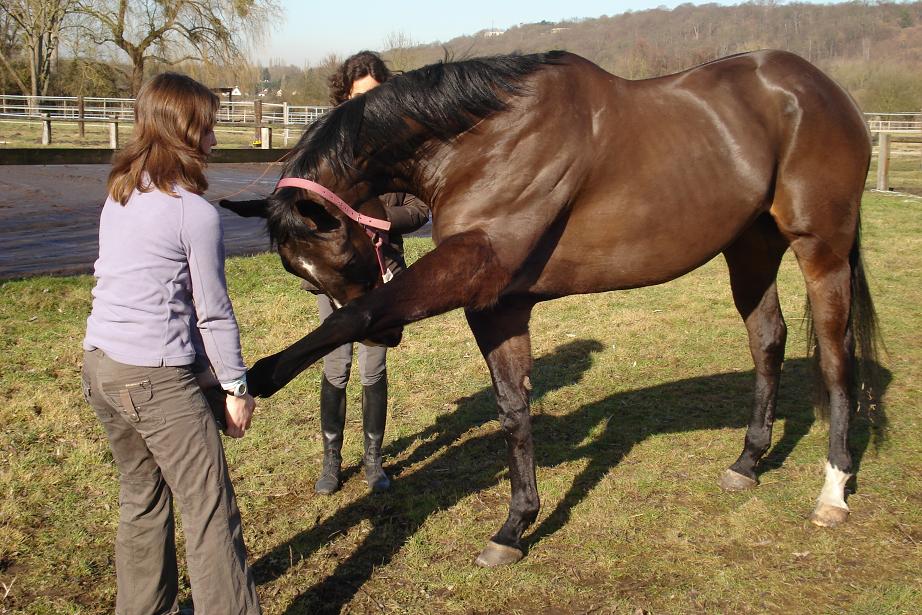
[370, 145]
[319, 243]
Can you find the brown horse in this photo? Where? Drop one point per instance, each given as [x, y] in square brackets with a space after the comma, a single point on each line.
[548, 176]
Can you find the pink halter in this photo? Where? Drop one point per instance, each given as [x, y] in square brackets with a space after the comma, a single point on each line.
[378, 236]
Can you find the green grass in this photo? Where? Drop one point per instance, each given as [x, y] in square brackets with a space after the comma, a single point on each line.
[640, 401]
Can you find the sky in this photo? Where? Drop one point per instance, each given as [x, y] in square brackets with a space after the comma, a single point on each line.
[313, 29]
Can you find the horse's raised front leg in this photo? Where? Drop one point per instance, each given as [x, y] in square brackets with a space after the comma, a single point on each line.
[502, 335]
[462, 271]
[753, 261]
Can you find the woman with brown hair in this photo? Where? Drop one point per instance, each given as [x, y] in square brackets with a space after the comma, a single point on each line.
[162, 320]
[357, 75]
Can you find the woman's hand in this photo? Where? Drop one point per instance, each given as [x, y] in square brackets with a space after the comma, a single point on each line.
[238, 413]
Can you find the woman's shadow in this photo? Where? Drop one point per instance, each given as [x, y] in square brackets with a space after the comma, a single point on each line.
[452, 469]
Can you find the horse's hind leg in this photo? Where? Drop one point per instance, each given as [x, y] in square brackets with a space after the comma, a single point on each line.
[753, 261]
[503, 338]
[828, 278]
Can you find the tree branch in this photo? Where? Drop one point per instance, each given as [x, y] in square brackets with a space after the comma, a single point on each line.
[22, 86]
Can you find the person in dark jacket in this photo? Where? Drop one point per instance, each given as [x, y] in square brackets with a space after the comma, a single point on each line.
[406, 213]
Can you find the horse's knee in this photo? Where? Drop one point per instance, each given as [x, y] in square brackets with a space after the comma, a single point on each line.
[777, 338]
[514, 421]
[350, 320]
[389, 338]
[768, 345]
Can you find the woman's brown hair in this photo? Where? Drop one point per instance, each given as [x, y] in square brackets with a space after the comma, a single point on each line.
[362, 64]
[172, 113]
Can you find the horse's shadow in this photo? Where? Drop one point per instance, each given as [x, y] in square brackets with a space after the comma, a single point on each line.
[453, 470]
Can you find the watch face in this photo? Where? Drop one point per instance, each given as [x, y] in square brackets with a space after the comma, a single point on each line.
[239, 390]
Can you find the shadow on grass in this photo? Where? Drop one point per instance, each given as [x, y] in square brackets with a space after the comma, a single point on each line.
[455, 470]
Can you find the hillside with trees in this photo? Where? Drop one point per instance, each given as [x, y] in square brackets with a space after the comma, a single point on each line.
[873, 49]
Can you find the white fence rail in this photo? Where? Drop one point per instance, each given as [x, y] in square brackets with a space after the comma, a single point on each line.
[897, 123]
[66, 107]
[122, 109]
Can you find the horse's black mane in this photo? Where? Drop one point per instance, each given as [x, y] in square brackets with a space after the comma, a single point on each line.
[445, 99]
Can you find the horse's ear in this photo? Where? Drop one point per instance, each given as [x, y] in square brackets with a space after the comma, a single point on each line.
[316, 218]
[248, 209]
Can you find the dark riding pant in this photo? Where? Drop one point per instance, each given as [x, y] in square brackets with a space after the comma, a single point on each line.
[338, 363]
[165, 441]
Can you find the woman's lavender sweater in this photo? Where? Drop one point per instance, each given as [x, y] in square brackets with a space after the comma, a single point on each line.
[160, 295]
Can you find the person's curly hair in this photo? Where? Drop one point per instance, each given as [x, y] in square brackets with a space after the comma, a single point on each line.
[360, 65]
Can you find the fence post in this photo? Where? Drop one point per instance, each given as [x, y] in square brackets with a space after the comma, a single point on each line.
[257, 119]
[80, 116]
[285, 120]
[46, 129]
[113, 132]
[883, 161]
[265, 137]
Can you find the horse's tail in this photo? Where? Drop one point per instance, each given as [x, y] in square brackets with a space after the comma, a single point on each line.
[862, 337]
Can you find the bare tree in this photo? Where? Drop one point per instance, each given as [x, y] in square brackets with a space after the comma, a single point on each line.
[172, 31]
[38, 24]
[85, 70]
[398, 45]
[9, 50]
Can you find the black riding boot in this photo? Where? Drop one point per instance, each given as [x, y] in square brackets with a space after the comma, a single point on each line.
[332, 422]
[374, 416]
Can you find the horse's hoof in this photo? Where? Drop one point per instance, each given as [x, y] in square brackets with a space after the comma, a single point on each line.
[495, 554]
[734, 481]
[829, 516]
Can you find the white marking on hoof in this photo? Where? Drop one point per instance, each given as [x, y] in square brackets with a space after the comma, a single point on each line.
[833, 493]
[734, 481]
[831, 509]
[495, 554]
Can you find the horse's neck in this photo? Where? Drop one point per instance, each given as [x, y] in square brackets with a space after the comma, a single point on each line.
[412, 177]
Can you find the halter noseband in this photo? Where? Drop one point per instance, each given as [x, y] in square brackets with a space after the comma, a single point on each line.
[378, 236]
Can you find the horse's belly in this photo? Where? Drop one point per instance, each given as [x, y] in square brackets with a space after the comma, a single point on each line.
[633, 247]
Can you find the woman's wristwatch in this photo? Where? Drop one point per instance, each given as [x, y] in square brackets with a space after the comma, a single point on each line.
[237, 388]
